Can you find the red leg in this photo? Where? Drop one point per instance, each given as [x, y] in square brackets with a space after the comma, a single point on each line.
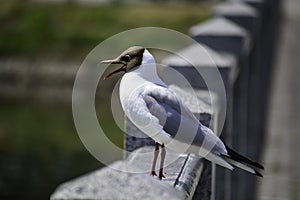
[156, 151]
[162, 160]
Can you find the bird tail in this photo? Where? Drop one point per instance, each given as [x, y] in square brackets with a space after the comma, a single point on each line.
[242, 162]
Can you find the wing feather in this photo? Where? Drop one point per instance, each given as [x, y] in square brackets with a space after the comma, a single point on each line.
[156, 110]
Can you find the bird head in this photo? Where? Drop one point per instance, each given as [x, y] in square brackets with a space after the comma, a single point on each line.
[128, 60]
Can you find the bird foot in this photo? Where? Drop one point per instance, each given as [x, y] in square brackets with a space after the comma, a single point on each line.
[153, 173]
[161, 175]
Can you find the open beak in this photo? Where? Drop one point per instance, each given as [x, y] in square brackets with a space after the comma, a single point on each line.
[116, 62]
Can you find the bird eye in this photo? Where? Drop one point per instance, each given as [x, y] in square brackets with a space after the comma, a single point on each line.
[127, 58]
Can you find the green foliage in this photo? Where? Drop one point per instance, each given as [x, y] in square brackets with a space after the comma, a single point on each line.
[71, 31]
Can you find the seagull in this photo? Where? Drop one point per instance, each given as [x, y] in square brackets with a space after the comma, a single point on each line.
[158, 112]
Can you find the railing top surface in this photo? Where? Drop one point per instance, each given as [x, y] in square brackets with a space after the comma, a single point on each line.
[218, 26]
[200, 55]
[235, 9]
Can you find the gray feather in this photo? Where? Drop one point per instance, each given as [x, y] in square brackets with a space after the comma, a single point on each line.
[167, 109]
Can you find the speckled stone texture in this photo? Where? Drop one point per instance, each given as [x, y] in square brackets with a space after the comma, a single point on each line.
[130, 179]
[115, 182]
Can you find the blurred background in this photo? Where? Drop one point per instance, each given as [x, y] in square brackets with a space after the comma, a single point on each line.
[42, 44]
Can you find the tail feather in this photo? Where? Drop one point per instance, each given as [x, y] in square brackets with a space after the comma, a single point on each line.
[242, 162]
[241, 165]
[237, 157]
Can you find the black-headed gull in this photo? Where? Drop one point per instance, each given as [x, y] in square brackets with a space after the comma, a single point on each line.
[158, 112]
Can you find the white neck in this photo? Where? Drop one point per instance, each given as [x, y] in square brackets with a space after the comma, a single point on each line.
[147, 70]
[148, 58]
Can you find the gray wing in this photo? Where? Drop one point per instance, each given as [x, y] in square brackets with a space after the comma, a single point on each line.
[173, 117]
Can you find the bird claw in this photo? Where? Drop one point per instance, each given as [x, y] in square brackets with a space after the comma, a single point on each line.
[161, 174]
[153, 173]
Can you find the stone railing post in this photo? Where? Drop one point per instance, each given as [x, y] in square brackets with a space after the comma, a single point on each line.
[226, 65]
[225, 36]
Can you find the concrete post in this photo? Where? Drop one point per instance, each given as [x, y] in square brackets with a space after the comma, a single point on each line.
[225, 36]
[240, 13]
[247, 17]
[227, 66]
[257, 4]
